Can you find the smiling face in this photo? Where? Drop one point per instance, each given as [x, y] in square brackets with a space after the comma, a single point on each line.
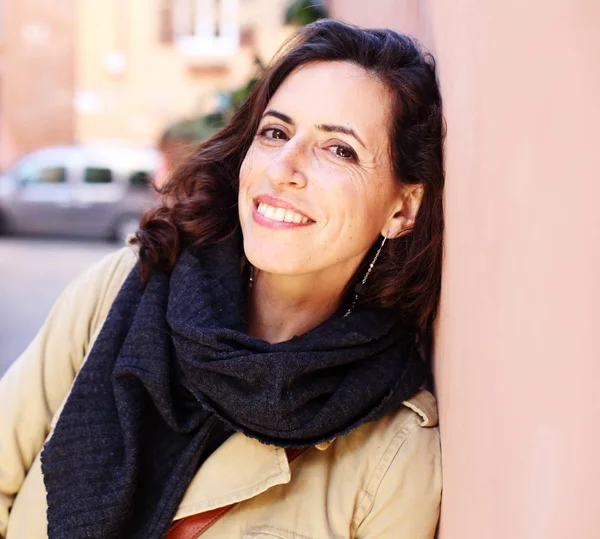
[316, 186]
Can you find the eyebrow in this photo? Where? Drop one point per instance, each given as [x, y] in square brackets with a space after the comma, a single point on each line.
[328, 128]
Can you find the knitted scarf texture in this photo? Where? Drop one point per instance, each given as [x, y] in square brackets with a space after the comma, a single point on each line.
[172, 375]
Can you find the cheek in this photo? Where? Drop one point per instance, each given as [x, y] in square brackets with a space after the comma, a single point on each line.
[354, 196]
[251, 165]
[245, 182]
[363, 203]
[245, 170]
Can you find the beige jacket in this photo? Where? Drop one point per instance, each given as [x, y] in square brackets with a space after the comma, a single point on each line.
[382, 480]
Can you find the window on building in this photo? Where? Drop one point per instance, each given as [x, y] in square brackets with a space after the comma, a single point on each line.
[204, 27]
[97, 175]
[31, 174]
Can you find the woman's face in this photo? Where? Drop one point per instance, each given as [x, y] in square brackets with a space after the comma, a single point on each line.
[316, 186]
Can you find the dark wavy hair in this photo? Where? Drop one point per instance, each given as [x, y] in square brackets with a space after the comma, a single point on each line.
[200, 199]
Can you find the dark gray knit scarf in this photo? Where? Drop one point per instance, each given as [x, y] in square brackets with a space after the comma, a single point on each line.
[172, 375]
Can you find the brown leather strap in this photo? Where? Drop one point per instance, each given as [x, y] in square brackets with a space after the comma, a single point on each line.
[193, 526]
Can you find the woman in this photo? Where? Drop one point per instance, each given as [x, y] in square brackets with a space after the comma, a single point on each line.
[256, 373]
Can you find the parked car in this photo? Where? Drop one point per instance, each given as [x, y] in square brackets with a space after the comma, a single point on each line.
[78, 190]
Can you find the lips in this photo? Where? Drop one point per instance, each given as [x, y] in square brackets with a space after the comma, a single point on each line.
[280, 210]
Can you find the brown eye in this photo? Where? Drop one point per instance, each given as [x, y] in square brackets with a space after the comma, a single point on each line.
[345, 152]
[273, 133]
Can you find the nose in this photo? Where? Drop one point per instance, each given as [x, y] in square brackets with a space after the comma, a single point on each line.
[286, 170]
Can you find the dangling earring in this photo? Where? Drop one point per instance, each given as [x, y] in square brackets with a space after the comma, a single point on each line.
[360, 287]
[251, 277]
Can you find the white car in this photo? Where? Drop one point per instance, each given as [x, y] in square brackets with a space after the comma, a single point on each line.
[78, 190]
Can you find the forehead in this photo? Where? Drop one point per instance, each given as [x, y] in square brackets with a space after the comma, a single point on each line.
[339, 93]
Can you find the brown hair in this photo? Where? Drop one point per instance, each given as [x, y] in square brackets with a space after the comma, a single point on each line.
[200, 200]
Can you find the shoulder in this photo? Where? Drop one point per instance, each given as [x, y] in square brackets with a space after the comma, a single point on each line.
[110, 272]
[95, 290]
[398, 458]
[83, 306]
[406, 436]
[406, 445]
[89, 295]
[418, 416]
[113, 268]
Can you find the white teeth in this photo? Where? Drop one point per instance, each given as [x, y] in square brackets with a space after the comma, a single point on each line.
[281, 214]
[270, 213]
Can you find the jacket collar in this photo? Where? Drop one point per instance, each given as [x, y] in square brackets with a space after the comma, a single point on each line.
[424, 405]
[215, 485]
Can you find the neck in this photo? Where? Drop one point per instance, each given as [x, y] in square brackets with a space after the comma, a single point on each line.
[281, 307]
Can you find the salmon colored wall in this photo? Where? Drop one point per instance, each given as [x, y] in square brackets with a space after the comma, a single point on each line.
[517, 352]
[404, 15]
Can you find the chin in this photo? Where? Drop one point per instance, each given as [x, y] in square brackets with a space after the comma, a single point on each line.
[271, 258]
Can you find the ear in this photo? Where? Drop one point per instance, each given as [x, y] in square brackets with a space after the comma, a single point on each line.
[404, 212]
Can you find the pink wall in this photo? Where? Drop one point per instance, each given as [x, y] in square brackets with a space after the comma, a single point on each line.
[518, 347]
[408, 16]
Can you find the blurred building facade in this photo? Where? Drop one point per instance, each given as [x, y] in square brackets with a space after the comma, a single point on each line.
[37, 51]
[80, 71]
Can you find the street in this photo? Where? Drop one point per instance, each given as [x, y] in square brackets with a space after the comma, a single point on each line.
[33, 272]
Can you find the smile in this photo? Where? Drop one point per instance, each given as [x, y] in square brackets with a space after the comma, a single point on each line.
[282, 215]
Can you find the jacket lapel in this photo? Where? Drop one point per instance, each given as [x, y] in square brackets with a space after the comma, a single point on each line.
[238, 470]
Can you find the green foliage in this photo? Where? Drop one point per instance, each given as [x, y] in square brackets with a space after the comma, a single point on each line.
[190, 130]
[302, 12]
